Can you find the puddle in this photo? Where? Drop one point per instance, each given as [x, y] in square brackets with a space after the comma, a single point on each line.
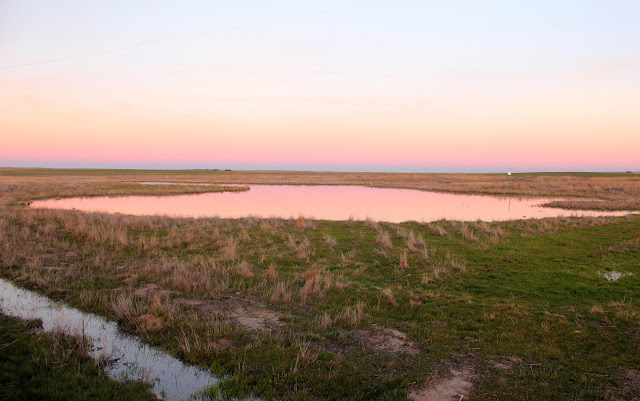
[133, 360]
[330, 202]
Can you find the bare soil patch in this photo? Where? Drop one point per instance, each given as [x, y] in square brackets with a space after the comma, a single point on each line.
[389, 340]
[244, 313]
[630, 389]
[256, 319]
[253, 317]
[456, 387]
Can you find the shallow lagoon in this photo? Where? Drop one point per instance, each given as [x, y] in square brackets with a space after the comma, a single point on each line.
[327, 203]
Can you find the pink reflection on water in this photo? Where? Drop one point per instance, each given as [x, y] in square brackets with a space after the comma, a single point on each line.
[325, 202]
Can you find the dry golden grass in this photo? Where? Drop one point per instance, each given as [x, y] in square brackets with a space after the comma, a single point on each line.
[384, 239]
[243, 269]
[190, 273]
[466, 232]
[324, 321]
[300, 224]
[438, 229]
[412, 243]
[404, 264]
[271, 272]
[316, 282]
[281, 293]
[615, 192]
[387, 294]
[330, 241]
[352, 315]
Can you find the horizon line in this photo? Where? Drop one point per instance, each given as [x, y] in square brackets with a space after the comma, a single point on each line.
[517, 171]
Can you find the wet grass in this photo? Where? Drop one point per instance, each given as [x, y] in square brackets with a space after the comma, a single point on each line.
[39, 366]
[301, 309]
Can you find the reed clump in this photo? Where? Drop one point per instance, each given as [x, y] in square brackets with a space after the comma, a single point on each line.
[352, 315]
[316, 282]
[384, 239]
[387, 295]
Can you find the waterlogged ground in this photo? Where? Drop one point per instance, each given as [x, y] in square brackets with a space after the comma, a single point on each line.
[124, 356]
[299, 309]
[51, 366]
[327, 203]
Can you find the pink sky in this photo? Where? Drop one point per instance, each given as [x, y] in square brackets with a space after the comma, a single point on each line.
[471, 135]
[335, 88]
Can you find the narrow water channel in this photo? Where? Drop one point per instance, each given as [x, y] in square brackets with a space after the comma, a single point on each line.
[133, 360]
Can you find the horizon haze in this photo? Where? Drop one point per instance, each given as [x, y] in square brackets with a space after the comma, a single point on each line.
[489, 86]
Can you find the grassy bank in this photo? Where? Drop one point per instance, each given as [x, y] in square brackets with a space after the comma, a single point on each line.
[597, 191]
[39, 366]
[300, 309]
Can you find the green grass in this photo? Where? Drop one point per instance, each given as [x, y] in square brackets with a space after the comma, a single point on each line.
[51, 367]
[528, 295]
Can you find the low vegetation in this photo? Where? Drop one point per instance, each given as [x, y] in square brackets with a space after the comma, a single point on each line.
[52, 366]
[597, 191]
[298, 309]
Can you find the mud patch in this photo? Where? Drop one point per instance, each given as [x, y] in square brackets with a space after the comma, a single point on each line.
[256, 319]
[252, 317]
[393, 341]
[630, 388]
[246, 313]
[457, 387]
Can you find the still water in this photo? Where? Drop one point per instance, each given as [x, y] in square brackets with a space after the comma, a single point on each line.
[327, 203]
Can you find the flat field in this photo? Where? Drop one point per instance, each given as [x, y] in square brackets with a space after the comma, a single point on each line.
[299, 309]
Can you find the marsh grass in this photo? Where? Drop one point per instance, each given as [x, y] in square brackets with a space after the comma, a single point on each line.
[465, 292]
[384, 239]
[404, 264]
[50, 366]
[387, 295]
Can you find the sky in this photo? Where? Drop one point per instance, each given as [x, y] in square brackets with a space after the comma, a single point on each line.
[429, 86]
